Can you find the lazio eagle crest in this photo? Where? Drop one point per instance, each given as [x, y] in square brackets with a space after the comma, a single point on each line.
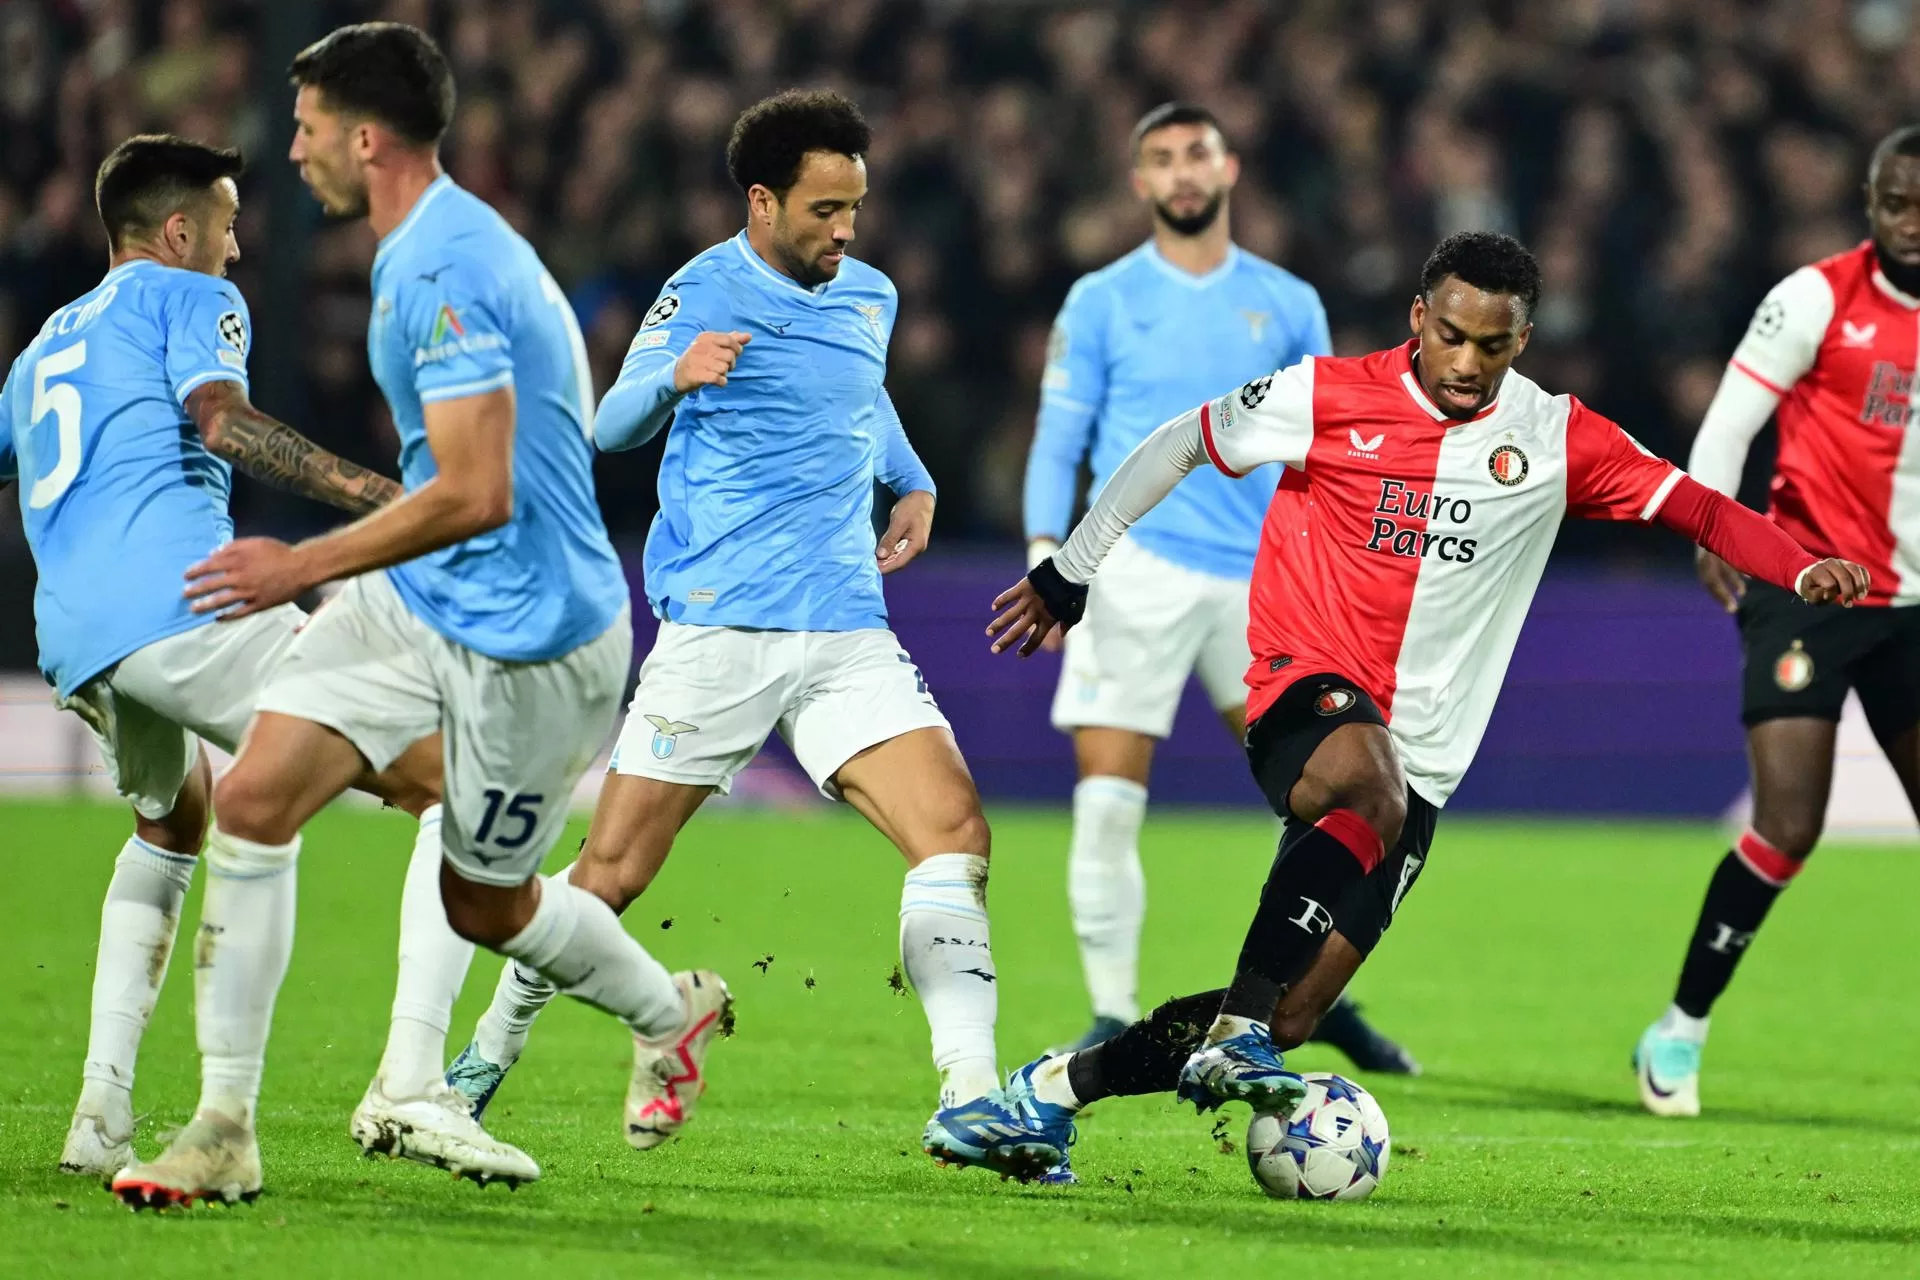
[666, 734]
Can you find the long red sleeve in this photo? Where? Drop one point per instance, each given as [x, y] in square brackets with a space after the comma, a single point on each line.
[1742, 537]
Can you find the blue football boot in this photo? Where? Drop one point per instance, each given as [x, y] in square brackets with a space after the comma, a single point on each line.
[1246, 1068]
[1056, 1123]
[996, 1131]
[475, 1079]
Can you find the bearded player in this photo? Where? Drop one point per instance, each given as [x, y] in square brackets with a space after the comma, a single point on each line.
[1183, 315]
[486, 603]
[1385, 609]
[764, 359]
[122, 419]
[1830, 354]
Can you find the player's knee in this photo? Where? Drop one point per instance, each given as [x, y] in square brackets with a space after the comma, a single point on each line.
[1380, 802]
[247, 808]
[970, 833]
[184, 829]
[482, 914]
[1792, 834]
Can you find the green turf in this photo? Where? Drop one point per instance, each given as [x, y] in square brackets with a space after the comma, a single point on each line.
[1527, 962]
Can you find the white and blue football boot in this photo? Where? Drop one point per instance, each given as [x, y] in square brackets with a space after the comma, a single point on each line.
[1668, 1067]
[1246, 1068]
[1056, 1123]
[1001, 1131]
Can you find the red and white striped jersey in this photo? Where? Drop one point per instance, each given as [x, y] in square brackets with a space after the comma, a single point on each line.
[1410, 563]
[1840, 346]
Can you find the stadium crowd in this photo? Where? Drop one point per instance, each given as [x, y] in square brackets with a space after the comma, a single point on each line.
[1667, 159]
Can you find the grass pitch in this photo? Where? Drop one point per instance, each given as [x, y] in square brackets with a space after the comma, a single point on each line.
[1523, 968]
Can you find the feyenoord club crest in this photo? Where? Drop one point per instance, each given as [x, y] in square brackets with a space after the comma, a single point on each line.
[1333, 701]
[1507, 465]
[1793, 670]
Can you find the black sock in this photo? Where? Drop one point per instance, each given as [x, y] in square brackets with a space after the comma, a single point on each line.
[1737, 901]
[1314, 867]
[1147, 1056]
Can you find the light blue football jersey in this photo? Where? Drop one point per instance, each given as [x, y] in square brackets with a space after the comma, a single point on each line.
[117, 492]
[766, 486]
[1139, 342]
[462, 306]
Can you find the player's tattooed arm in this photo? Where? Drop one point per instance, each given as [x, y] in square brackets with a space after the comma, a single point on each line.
[268, 449]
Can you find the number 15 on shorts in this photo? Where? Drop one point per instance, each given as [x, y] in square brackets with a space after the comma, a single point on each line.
[509, 819]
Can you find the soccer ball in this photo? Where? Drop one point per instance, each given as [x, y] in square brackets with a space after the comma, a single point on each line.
[1333, 1147]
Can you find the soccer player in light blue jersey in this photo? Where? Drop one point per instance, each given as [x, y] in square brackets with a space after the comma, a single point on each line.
[121, 421]
[767, 353]
[1138, 342]
[486, 603]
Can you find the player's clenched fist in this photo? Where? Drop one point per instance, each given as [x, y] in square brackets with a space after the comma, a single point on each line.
[708, 361]
[1833, 582]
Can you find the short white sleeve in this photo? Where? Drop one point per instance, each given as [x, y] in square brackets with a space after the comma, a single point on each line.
[1268, 420]
[1786, 331]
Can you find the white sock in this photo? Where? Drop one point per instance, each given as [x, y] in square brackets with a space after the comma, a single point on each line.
[1108, 891]
[138, 922]
[518, 998]
[239, 960]
[1683, 1026]
[1226, 1026]
[576, 943]
[947, 951]
[1051, 1082]
[433, 967]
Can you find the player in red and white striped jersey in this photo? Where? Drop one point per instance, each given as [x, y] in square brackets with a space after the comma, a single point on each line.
[1385, 608]
[1831, 355]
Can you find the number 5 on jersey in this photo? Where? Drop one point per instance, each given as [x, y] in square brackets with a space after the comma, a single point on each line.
[62, 400]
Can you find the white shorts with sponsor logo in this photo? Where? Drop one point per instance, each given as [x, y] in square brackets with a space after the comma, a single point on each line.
[1149, 624]
[709, 696]
[147, 710]
[518, 734]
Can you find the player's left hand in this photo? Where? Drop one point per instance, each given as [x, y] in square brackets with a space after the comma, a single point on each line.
[1833, 582]
[246, 576]
[908, 530]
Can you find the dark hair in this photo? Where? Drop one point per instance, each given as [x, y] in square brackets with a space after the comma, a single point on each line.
[386, 71]
[1172, 113]
[1904, 141]
[146, 179]
[1486, 260]
[773, 136]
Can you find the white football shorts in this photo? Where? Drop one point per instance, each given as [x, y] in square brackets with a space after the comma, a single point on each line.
[148, 710]
[709, 696]
[1149, 624]
[518, 734]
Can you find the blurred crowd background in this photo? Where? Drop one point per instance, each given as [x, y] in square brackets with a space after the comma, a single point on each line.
[1667, 159]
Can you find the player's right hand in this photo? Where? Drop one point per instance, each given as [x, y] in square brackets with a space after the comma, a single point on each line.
[708, 361]
[1723, 581]
[1833, 582]
[1035, 607]
[1039, 549]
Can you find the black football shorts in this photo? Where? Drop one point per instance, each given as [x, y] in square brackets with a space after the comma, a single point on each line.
[1800, 660]
[1279, 744]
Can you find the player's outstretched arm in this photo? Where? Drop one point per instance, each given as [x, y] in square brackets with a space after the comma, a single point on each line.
[1054, 592]
[270, 450]
[471, 439]
[1756, 546]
